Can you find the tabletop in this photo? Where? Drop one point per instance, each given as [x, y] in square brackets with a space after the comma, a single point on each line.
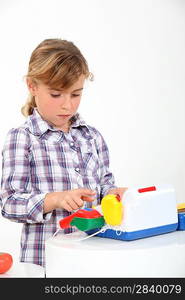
[158, 256]
[21, 269]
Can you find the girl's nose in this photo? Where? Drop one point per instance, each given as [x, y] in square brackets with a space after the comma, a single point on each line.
[66, 102]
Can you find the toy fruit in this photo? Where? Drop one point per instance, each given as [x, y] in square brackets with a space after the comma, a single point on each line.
[112, 209]
[6, 262]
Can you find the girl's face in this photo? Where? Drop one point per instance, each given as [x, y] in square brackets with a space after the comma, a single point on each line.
[57, 107]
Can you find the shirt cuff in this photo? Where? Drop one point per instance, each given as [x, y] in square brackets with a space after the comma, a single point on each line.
[36, 210]
[105, 190]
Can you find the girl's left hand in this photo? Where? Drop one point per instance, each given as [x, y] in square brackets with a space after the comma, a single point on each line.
[118, 191]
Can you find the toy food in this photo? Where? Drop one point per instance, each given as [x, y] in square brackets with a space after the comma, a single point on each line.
[6, 262]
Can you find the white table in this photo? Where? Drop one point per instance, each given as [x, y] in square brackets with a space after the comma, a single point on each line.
[21, 269]
[158, 256]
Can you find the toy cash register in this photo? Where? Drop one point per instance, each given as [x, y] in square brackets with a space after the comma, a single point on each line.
[142, 212]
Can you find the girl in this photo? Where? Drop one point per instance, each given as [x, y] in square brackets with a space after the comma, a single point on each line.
[54, 163]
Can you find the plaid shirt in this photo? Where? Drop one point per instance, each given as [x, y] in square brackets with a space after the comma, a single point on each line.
[38, 159]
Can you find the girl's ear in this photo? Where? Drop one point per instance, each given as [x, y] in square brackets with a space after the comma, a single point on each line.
[31, 86]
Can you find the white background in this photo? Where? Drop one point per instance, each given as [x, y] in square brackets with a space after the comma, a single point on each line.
[136, 51]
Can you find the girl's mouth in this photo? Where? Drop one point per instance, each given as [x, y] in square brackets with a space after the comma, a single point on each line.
[63, 116]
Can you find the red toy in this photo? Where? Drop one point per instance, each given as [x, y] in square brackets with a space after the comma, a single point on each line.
[81, 213]
[6, 262]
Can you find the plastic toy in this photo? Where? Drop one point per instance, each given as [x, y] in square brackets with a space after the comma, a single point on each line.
[181, 216]
[112, 209]
[142, 212]
[6, 261]
[83, 219]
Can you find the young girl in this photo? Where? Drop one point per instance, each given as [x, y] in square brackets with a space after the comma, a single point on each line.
[54, 163]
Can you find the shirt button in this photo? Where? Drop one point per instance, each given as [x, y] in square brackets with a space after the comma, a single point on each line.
[77, 169]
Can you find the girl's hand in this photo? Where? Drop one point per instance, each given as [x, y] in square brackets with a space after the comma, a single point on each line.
[69, 200]
[118, 191]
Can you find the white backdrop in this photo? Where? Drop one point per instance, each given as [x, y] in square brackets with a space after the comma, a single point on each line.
[136, 51]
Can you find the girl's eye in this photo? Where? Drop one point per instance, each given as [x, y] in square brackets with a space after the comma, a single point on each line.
[55, 96]
[75, 95]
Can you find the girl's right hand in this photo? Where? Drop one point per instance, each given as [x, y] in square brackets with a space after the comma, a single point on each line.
[69, 200]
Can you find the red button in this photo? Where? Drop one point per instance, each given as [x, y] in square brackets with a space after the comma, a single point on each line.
[148, 189]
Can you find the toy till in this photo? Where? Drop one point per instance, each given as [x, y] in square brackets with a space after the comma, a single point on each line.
[142, 212]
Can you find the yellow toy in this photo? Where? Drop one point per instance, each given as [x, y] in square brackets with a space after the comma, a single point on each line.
[112, 209]
[181, 207]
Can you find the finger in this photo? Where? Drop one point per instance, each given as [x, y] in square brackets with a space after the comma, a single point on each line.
[122, 191]
[117, 193]
[87, 199]
[86, 192]
[78, 201]
[72, 204]
[67, 207]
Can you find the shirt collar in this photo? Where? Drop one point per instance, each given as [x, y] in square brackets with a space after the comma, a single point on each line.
[38, 126]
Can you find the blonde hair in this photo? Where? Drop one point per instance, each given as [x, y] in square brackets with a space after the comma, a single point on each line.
[57, 63]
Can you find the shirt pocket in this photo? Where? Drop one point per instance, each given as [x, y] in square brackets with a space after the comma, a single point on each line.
[90, 159]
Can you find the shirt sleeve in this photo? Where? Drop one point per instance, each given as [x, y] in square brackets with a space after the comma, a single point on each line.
[19, 203]
[107, 180]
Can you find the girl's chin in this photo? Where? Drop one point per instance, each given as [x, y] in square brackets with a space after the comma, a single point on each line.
[62, 126]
